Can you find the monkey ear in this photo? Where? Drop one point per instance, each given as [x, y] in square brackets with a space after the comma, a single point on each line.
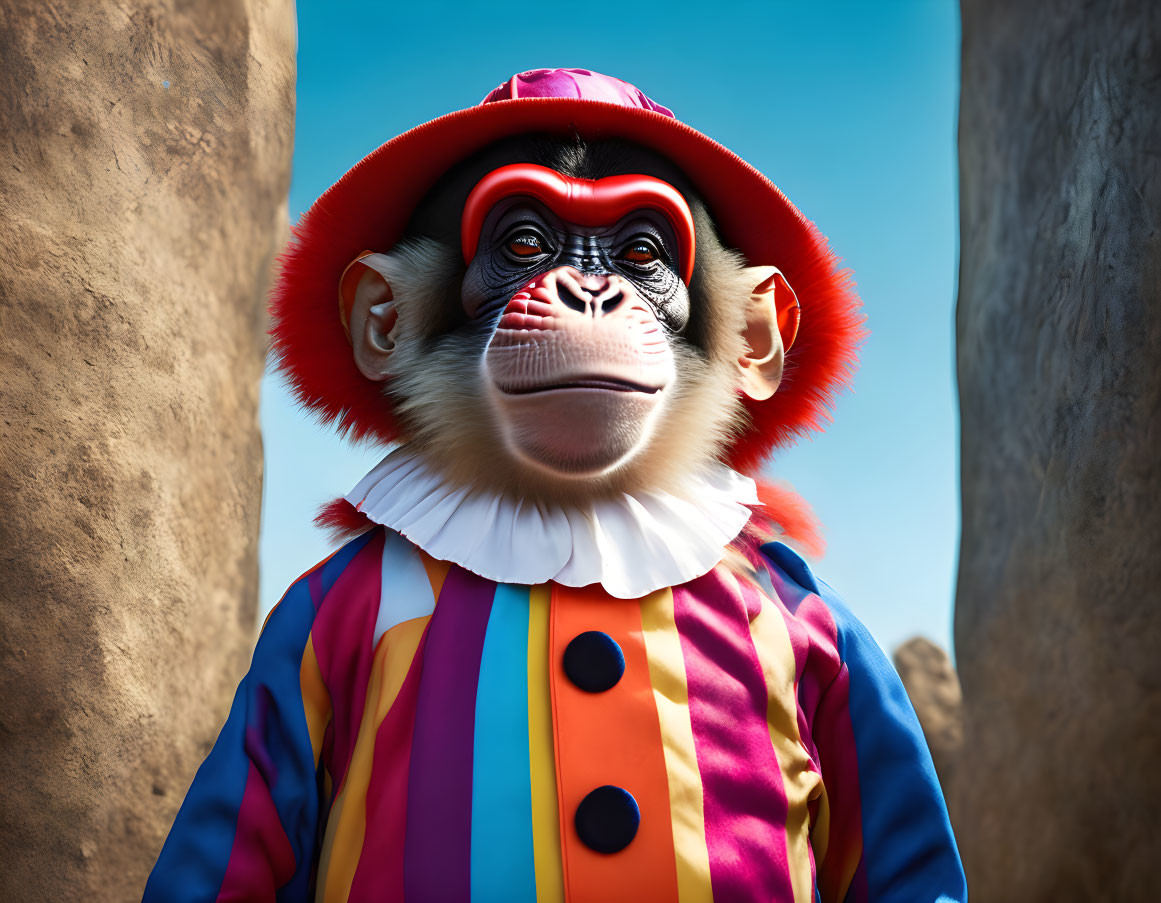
[771, 325]
[367, 310]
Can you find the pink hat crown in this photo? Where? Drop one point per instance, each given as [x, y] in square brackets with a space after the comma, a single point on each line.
[574, 84]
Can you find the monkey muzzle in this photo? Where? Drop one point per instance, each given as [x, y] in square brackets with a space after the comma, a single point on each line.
[572, 330]
[577, 369]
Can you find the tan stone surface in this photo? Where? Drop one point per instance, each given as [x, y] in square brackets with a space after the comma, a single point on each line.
[138, 223]
[933, 686]
[1057, 795]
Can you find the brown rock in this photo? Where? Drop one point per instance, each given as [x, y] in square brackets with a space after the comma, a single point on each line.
[933, 686]
[144, 165]
[1058, 614]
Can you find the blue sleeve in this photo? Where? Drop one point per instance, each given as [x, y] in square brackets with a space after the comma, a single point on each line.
[909, 853]
[248, 827]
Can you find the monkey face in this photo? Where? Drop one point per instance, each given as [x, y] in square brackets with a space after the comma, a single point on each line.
[579, 362]
[557, 339]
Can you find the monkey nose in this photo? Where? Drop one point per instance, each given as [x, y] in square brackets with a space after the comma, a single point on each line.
[591, 294]
[572, 299]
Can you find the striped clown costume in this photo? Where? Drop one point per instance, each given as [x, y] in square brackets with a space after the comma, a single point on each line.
[477, 699]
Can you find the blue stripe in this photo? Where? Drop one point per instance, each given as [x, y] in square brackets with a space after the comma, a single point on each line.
[193, 860]
[296, 793]
[268, 707]
[503, 869]
[909, 851]
[279, 723]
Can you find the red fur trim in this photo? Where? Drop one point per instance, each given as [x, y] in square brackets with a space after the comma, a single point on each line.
[308, 340]
[822, 361]
[782, 514]
[342, 520]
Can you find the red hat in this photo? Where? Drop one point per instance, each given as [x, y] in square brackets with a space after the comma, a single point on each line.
[373, 203]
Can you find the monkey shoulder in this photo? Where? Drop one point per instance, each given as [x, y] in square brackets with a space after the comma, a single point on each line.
[791, 566]
[377, 577]
[810, 599]
[383, 581]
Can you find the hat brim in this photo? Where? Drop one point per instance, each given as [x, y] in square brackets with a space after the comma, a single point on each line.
[371, 205]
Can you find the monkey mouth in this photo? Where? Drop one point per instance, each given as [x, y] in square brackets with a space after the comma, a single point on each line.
[604, 383]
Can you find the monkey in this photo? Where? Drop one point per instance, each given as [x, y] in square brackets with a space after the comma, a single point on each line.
[563, 652]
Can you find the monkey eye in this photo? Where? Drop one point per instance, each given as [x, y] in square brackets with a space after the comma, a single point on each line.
[525, 244]
[640, 251]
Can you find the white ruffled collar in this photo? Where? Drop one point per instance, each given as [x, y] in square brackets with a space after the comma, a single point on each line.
[630, 544]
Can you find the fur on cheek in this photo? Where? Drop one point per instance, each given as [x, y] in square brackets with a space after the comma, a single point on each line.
[436, 383]
[719, 294]
[705, 415]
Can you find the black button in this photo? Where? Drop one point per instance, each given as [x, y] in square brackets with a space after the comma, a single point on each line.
[594, 662]
[607, 819]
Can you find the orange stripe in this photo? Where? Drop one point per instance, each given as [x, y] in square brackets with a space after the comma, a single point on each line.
[436, 571]
[610, 738]
[316, 701]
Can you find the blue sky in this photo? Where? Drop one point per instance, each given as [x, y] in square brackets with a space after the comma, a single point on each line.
[849, 107]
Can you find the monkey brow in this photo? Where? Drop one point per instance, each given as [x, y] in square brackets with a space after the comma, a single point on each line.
[586, 202]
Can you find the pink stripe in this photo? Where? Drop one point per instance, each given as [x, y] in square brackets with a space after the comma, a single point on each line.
[840, 771]
[814, 639]
[261, 858]
[379, 875]
[745, 804]
[805, 683]
[825, 720]
[342, 636]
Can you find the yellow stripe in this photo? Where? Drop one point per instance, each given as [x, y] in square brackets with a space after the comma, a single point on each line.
[347, 823]
[799, 780]
[820, 833]
[542, 762]
[316, 701]
[671, 695]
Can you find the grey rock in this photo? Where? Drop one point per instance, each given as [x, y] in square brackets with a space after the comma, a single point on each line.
[1057, 793]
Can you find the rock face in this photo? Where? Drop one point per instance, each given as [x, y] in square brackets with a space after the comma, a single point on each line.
[143, 173]
[1058, 616]
[933, 687]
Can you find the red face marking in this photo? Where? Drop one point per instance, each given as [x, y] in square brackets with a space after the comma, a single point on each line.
[586, 202]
